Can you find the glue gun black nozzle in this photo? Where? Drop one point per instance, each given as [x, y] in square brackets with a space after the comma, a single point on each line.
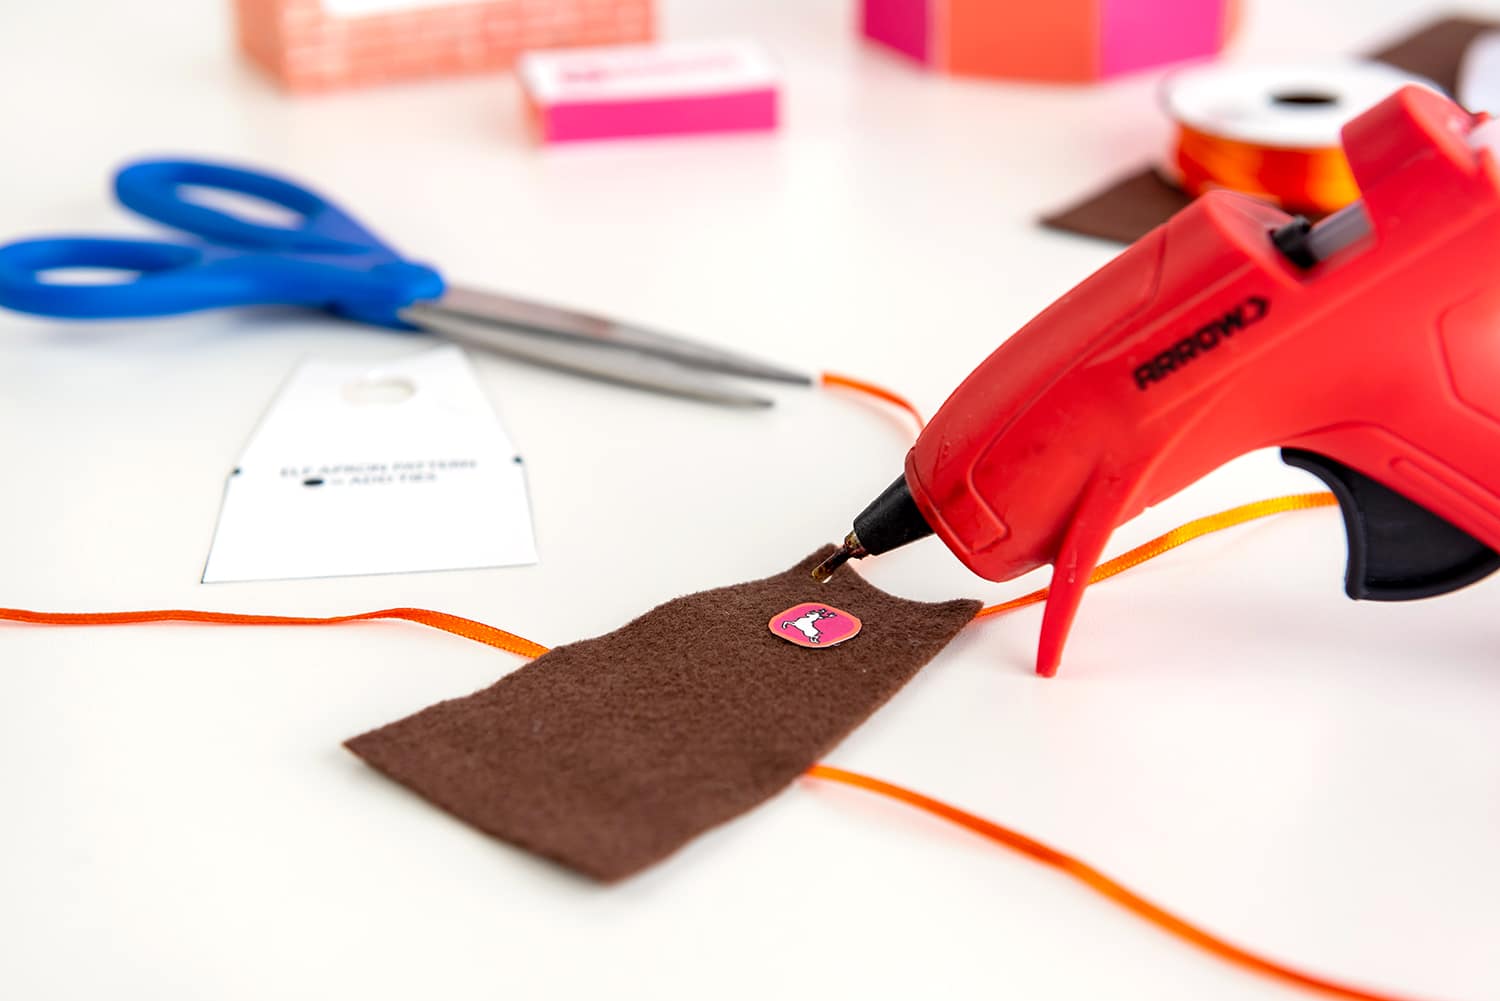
[850, 550]
[892, 520]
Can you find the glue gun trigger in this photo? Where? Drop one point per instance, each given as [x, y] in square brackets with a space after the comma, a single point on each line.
[1398, 550]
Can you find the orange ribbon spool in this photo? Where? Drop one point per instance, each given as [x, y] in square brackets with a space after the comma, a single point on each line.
[1273, 131]
[1308, 181]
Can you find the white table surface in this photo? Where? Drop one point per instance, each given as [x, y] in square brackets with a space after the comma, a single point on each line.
[1312, 777]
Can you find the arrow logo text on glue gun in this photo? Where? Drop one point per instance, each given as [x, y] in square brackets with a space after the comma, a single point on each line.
[1201, 341]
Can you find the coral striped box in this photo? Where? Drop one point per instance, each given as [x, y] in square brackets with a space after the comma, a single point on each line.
[1056, 40]
[313, 45]
[648, 90]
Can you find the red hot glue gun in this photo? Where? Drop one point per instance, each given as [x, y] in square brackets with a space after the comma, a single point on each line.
[1366, 346]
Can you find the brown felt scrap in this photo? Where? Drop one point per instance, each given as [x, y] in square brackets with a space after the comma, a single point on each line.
[610, 753]
[1436, 50]
[1126, 210]
[1130, 208]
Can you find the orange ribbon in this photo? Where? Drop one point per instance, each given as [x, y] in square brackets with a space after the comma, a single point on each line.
[1088, 875]
[1171, 540]
[479, 632]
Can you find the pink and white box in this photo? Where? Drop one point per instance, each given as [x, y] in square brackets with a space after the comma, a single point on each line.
[676, 88]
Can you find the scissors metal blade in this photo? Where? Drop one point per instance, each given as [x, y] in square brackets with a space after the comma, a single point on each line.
[555, 321]
[579, 356]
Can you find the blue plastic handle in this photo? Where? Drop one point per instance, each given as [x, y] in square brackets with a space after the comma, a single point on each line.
[154, 189]
[327, 261]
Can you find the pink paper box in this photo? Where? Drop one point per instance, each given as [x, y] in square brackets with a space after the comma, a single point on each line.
[1051, 40]
[311, 45]
[650, 90]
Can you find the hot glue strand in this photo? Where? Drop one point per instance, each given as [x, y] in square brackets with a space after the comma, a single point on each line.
[1099, 883]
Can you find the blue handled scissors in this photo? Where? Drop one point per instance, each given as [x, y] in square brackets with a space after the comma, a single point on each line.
[329, 261]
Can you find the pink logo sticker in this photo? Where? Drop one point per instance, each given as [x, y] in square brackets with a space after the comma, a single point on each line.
[813, 624]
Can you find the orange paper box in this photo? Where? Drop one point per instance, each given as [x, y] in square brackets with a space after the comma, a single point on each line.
[313, 45]
[1062, 40]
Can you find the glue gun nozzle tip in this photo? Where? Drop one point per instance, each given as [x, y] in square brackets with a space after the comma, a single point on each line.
[850, 550]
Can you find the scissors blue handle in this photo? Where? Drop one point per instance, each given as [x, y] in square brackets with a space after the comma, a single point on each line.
[326, 261]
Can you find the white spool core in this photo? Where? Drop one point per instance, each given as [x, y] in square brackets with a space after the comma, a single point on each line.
[1283, 107]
